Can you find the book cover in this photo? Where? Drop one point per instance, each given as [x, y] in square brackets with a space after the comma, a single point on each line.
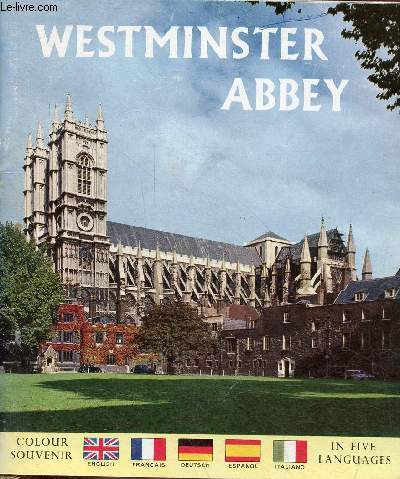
[199, 262]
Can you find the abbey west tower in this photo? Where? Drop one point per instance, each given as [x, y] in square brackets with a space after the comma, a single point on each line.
[65, 198]
[117, 269]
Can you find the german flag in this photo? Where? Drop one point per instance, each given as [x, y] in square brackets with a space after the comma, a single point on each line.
[195, 449]
[242, 450]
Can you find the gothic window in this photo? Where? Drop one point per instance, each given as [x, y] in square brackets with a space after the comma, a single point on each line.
[85, 258]
[119, 338]
[84, 175]
[59, 174]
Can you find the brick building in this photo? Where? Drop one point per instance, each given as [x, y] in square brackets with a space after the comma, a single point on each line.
[233, 316]
[98, 340]
[360, 330]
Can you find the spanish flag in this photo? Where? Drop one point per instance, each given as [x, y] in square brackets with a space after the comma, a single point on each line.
[195, 449]
[242, 450]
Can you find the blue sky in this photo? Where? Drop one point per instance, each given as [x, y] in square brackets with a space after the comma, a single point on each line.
[178, 163]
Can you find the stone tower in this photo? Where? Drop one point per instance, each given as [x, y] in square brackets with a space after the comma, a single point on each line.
[65, 198]
[35, 188]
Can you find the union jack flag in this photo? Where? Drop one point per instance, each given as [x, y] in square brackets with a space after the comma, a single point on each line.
[101, 449]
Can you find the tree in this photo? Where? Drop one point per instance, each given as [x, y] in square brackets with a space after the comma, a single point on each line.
[29, 295]
[378, 28]
[174, 330]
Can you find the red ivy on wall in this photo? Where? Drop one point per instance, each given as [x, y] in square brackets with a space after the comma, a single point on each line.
[98, 353]
[85, 338]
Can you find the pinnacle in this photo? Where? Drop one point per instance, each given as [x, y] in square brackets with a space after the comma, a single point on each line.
[305, 252]
[29, 142]
[350, 241]
[323, 239]
[39, 137]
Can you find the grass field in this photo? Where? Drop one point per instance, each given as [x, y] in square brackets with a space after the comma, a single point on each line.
[198, 404]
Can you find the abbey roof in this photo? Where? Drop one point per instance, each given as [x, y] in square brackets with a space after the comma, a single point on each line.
[186, 245]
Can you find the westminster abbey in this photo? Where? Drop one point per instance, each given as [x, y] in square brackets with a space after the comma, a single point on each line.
[115, 269]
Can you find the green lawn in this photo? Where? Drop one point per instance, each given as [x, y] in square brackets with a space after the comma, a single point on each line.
[193, 404]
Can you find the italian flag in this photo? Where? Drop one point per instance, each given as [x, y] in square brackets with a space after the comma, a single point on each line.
[290, 451]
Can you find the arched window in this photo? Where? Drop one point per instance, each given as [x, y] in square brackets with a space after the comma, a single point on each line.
[84, 175]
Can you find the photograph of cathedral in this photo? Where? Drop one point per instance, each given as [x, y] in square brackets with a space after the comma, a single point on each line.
[115, 270]
[121, 267]
[199, 231]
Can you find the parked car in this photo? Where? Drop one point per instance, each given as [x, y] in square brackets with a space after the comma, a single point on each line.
[89, 368]
[143, 369]
[357, 374]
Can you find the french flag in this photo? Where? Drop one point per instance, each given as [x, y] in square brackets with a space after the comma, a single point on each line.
[144, 449]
